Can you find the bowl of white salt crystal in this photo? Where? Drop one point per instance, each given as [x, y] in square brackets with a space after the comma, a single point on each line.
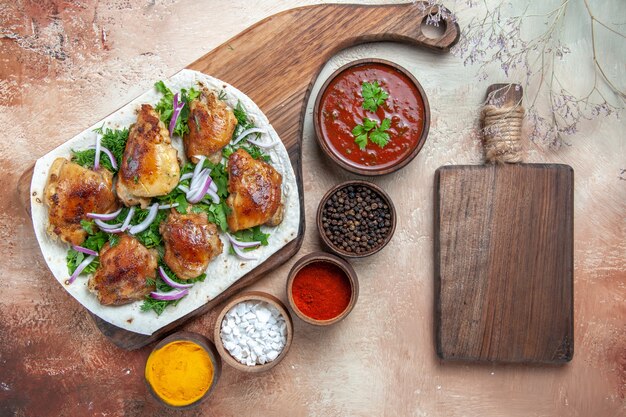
[253, 332]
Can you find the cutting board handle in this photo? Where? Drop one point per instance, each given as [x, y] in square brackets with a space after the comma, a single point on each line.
[502, 117]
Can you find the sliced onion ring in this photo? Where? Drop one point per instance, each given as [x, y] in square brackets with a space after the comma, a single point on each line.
[84, 250]
[198, 182]
[169, 296]
[199, 165]
[138, 228]
[105, 216]
[129, 217]
[169, 281]
[215, 199]
[177, 106]
[242, 254]
[241, 244]
[96, 164]
[203, 190]
[109, 154]
[106, 226]
[80, 268]
[248, 132]
[167, 206]
[262, 144]
[183, 188]
[186, 176]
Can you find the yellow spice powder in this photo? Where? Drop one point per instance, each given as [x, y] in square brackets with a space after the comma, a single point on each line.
[180, 372]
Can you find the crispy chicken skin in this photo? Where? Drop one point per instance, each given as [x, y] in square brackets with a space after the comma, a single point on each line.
[149, 166]
[191, 242]
[121, 275]
[255, 192]
[73, 191]
[211, 127]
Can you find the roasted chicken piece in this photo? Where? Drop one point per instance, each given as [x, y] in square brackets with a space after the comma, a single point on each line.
[122, 273]
[191, 242]
[255, 192]
[211, 127]
[73, 191]
[149, 166]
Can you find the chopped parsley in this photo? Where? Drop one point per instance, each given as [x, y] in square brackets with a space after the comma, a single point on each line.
[112, 139]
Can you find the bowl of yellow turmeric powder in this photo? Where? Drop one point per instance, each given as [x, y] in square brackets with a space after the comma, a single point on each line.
[182, 370]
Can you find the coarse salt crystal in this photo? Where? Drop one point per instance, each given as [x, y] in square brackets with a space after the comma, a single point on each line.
[254, 333]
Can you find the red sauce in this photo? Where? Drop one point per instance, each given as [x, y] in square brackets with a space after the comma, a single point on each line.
[341, 110]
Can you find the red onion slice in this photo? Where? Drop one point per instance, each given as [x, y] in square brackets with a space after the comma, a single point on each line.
[167, 206]
[186, 176]
[109, 154]
[213, 186]
[138, 228]
[80, 269]
[85, 250]
[106, 226]
[96, 164]
[262, 144]
[169, 281]
[215, 199]
[246, 133]
[183, 189]
[242, 254]
[177, 108]
[198, 181]
[199, 165]
[169, 296]
[129, 217]
[104, 216]
[241, 244]
[198, 195]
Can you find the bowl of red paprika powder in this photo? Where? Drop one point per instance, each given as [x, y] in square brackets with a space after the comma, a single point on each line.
[322, 288]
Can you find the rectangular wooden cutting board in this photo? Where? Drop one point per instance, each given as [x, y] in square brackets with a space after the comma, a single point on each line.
[504, 263]
[275, 63]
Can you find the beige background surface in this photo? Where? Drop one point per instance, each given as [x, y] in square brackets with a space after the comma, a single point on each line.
[66, 64]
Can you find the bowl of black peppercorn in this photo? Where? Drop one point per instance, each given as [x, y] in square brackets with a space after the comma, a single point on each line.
[356, 219]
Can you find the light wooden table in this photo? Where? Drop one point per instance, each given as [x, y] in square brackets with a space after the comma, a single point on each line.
[66, 64]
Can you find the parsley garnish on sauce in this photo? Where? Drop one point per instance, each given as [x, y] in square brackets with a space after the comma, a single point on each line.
[377, 134]
[373, 96]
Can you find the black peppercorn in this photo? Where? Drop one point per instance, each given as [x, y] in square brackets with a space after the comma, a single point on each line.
[356, 219]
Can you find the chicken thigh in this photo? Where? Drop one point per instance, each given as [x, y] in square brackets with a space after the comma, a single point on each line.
[122, 273]
[211, 127]
[255, 192]
[73, 191]
[191, 242]
[149, 166]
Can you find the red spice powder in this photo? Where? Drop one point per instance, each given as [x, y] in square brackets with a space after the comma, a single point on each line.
[321, 290]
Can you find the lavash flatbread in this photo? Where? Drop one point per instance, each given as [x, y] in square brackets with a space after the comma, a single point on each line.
[222, 272]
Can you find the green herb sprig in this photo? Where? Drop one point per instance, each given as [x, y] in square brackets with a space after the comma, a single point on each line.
[370, 129]
[112, 139]
[373, 95]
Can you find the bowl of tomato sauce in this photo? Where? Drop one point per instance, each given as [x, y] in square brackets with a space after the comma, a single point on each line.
[371, 117]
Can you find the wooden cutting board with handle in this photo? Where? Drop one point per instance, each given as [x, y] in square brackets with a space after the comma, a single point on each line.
[275, 62]
[504, 258]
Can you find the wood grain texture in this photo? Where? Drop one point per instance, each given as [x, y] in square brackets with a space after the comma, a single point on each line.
[275, 63]
[504, 263]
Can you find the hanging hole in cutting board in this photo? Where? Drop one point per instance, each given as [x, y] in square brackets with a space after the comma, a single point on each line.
[433, 29]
